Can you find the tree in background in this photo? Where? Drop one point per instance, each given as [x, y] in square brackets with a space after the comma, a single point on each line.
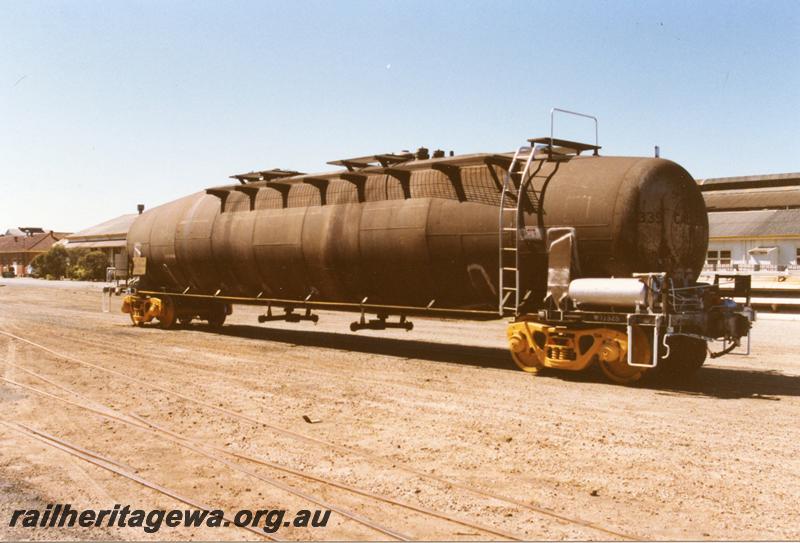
[93, 265]
[74, 269]
[81, 264]
[52, 264]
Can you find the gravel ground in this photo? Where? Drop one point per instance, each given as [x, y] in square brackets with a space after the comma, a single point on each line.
[573, 456]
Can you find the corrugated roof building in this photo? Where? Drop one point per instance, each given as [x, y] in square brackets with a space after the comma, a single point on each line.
[754, 222]
[764, 223]
[110, 237]
[753, 199]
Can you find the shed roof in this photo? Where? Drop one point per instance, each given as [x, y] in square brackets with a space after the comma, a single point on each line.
[116, 228]
[764, 224]
[96, 243]
[750, 181]
[753, 199]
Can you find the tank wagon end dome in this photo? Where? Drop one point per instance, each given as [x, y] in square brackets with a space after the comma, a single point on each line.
[665, 215]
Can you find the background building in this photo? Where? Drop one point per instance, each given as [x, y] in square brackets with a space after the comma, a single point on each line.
[19, 246]
[754, 222]
[108, 237]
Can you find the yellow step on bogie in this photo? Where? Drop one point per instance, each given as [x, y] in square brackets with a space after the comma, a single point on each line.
[535, 346]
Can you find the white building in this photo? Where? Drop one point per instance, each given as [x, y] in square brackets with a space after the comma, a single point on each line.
[754, 222]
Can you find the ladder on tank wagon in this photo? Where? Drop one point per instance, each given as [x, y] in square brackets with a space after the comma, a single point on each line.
[512, 219]
[517, 187]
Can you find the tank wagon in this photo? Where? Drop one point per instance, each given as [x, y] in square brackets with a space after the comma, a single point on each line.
[593, 259]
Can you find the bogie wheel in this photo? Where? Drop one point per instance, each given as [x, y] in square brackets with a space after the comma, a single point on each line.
[686, 356]
[134, 320]
[619, 371]
[527, 362]
[523, 355]
[216, 315]
[169, 313]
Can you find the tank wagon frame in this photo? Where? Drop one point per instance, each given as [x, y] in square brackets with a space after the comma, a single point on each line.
[602, 271]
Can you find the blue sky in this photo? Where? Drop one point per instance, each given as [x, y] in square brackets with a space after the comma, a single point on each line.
[107, 104]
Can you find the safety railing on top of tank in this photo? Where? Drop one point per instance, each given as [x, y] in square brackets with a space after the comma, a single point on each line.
[559, 110]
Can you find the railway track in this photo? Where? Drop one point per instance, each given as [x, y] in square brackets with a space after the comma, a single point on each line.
[107, 464]
[205, 449]
[134, 353]
[402, 348]
[213, 452]
[564, 519]
[184, 442]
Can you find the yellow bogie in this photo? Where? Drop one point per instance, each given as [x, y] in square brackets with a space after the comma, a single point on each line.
[615, 366]
[521, 344]
[535, 346]
[168, 311]
[144, 310]
[168, 315]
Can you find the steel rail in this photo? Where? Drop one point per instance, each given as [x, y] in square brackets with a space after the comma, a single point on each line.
[220, 375]
[185, 442]
[172, 362]
[98, 460]
[182, 440]
[342, 448]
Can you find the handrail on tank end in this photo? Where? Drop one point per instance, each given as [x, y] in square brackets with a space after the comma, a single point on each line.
[552, 125]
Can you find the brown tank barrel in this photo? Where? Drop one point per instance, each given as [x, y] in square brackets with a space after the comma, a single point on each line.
[428, 231]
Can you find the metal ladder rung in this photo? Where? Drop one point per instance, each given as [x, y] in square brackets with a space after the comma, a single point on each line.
[514, 191]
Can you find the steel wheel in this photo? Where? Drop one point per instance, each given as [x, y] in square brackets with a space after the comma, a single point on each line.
[687, 355]
[134, 320]
[169, 313]
[216, 315]
[523, 355]
[619, 371]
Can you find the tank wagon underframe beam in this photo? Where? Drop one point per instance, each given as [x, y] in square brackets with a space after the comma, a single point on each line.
[365, 307]
[146, 305]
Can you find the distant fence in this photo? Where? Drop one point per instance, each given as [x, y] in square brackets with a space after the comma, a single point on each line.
[779, 268]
